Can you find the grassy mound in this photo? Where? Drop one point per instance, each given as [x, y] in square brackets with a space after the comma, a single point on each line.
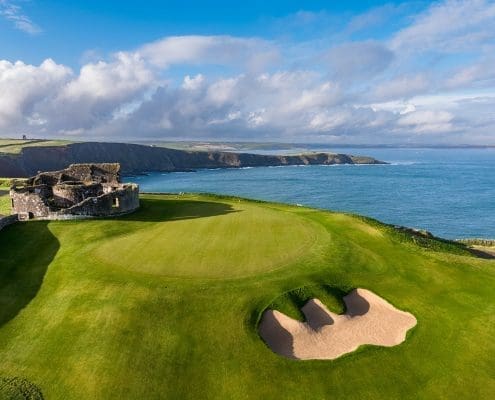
[291, 302]
[164, 303]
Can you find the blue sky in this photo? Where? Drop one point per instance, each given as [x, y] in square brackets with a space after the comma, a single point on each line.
[336, 72]
[69, 29]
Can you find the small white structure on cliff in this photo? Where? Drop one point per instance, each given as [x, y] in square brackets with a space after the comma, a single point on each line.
[79, 191]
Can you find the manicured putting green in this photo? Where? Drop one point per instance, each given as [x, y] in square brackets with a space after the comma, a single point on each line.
[209, 239]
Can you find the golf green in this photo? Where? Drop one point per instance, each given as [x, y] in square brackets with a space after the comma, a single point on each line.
[208, 239]
[164, 304]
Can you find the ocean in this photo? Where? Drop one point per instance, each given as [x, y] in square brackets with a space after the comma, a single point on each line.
[449, 192]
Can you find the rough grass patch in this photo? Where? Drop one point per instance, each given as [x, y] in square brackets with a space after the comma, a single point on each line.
[15, 388]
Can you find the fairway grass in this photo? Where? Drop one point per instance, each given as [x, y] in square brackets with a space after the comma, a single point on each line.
[164, 304]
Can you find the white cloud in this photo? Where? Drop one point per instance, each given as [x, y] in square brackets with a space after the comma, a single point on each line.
[249, 88]
[328, 121]
[373, 17]
[13, 13]
[222, 91]
[216, 50]
[449, 26]
[427, 121]
[118, 79]
[479, 74]
[401, 87]
[193, 83]
[359, 59]
[23, 87]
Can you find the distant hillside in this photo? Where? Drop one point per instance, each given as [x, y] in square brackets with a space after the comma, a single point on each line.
[136, 158]
[15, 146]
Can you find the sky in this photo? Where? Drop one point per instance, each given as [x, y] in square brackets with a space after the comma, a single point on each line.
[354, 72]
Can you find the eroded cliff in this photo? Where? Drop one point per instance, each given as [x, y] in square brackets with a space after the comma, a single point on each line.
[135, 158]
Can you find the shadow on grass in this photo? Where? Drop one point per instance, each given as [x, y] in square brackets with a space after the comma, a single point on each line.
[158, 210]
[300, 296]
[481, 254]
[26, 250]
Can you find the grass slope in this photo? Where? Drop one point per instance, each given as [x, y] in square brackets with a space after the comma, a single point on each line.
[14, 146]
[88, 310]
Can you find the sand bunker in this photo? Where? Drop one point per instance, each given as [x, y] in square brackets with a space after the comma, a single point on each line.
[369, 319]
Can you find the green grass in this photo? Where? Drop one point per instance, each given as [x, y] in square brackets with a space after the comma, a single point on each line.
[14, 146]
[163, 303]
[5, 205]
[5, 183]
[10, 142]
[217, 240]
[291, 302]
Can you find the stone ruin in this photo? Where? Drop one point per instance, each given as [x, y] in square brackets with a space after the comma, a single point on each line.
[79, 191]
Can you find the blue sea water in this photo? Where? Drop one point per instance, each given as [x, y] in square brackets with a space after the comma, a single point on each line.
[450, 192]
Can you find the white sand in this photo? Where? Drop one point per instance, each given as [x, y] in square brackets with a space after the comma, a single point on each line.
[369, 319]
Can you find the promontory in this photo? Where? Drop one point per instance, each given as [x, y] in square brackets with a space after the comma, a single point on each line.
[136, 158]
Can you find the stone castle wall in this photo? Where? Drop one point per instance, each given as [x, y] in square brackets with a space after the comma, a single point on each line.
[68, 195]
[80, 191]
[95, 173]
[30, 202]
[117, 202]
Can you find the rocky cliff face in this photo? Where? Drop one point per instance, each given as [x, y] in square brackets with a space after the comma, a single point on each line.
[135, 158]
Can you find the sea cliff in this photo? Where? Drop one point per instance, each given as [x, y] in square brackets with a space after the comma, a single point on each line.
[136, 158]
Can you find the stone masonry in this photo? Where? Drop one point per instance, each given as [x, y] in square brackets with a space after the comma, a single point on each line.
[79, 191]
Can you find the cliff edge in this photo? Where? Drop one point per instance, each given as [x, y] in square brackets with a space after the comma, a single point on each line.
[135, 158]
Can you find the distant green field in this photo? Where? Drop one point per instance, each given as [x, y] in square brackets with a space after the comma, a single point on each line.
[224, 146]
[14, 146]
[10, 142]
[164, 304]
